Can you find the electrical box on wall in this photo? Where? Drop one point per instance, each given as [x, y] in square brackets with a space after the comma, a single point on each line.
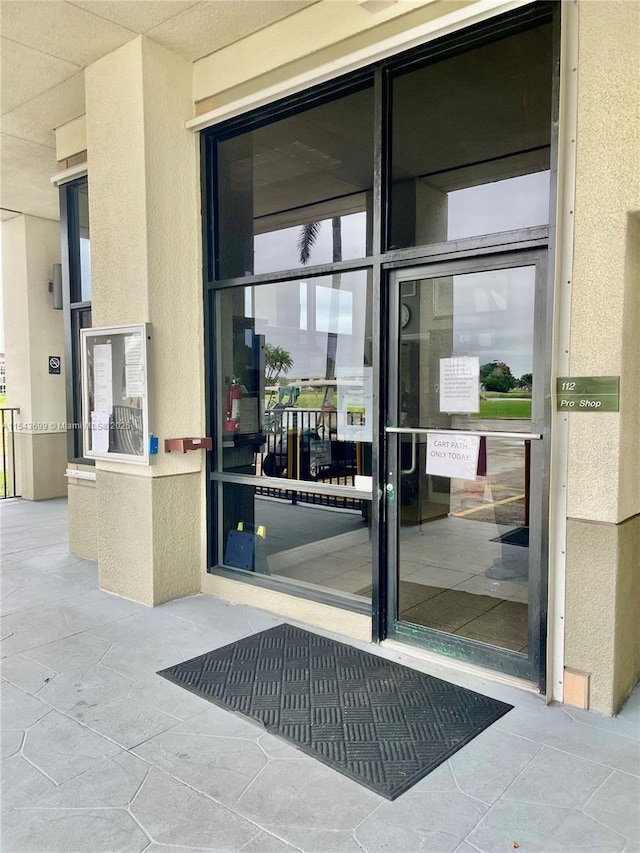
[116, 393]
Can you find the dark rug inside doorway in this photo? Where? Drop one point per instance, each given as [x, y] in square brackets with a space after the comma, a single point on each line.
[519, 536]
[381, 724]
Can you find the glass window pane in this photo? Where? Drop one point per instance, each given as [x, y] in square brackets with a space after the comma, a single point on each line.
[297, 191]
[470, 142]
[265, 530]
[296, 378]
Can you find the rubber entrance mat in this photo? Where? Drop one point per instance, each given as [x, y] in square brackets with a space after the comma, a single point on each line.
[381, 724]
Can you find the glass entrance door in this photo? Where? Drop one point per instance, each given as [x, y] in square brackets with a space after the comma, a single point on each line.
[466, 456]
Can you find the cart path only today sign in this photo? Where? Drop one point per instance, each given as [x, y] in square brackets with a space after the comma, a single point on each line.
[588, 394]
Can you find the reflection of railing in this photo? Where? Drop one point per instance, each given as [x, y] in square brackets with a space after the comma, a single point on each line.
[7, 427]
[303, 444]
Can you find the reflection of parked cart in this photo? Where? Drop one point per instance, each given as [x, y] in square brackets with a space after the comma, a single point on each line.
[302, 444]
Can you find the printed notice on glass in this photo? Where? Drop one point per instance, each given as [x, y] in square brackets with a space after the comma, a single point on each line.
[460, 384]
[133, 367]
[102, 378]
[453, 455]
[355, 406]
[100, 432]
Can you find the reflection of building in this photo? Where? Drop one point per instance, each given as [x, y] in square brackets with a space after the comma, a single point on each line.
[438, 145]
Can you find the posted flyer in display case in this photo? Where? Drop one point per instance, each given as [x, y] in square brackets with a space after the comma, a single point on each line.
[116, 398]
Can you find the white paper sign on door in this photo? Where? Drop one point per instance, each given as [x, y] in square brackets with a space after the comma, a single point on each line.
[460, 384]
[453, 455]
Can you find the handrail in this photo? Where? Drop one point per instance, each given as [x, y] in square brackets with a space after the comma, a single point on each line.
[8, 427]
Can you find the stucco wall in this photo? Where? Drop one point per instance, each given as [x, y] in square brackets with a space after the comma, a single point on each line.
[71, 138]
[601, 627]
[83, 540]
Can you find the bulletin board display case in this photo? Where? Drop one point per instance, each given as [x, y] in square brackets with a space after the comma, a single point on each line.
[116, 393]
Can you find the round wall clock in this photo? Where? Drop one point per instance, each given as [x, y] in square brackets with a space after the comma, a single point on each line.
[405, 315]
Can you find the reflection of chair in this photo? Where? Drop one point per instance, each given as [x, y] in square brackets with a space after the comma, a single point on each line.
[126, 433]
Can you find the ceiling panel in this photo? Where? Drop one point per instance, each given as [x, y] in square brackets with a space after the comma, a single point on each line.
[61, 30]
[37, 119]
[25, 174]
[136, 15]
[27, 72]
[212, 24]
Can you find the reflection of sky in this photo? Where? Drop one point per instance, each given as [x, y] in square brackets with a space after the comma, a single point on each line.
[506, 205]
[278, 250]
[493, 317]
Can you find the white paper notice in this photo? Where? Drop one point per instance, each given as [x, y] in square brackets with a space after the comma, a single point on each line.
[102, 378]
[133, 368]
[355, 406]
[100, 432]
[453, 455]
[460, 384]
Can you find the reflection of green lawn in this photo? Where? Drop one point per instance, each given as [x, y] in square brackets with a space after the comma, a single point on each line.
[502, 408]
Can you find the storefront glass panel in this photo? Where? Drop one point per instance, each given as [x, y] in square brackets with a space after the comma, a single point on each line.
[298, 191]
[471, 141]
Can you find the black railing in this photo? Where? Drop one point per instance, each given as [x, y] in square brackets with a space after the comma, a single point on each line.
[8, 471]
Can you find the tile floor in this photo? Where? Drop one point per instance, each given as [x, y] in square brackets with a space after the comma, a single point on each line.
[101, 754]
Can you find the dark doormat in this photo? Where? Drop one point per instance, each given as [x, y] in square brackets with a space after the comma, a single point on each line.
[519, 536]
[381, 724]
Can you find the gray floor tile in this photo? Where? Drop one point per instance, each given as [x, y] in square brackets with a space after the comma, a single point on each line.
[617, 805]
[542, 829]
[112, 784]
[276, 747]
[428, 821]
[218, 722]
[140, 627]
[125, 721]
[172, 813]
[71, 831]
[157, 692]
[221, 767]
[289, 793]
[557, 779]
[21, 782]
[26, 674]
[19, 710]
[552, 727]
[75, 652]
[319, 841]
[84, 687]
[62, 748]
[477, 771]
[10, 742]
[266, 843]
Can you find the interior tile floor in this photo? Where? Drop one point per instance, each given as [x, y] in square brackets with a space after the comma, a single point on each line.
[101, 754]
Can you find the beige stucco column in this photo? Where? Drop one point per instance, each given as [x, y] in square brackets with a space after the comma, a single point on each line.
[602, 630]
[33, 332]
[145, 254]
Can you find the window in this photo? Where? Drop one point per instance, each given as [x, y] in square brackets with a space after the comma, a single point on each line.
[76, 266]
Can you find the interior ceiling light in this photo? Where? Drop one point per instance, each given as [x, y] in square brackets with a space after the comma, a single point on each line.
[374, 6]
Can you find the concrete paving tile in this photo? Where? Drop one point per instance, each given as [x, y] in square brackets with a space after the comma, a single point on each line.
[276, 747]
[10, 742]
[617, 805]
[259, 620]
[141, 660]
[19, 710]
[74, 652]
[112, 784]
[217, 766]
[319, 841]
[26, 674]
[82, 688]
[62, 748]
[83, 616]
[552, 727]
[37, 595]
[487, 766]
[218, 722]
[267, 843]
[466, 848]
[174, 814]
[125, 721]
[542, 829]
[56, 831]
[433, 822]
[626, 724]
[305, 794]
[139, 627]
[558, 779]
[21, 783]
[208, 612]
[157, 692]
